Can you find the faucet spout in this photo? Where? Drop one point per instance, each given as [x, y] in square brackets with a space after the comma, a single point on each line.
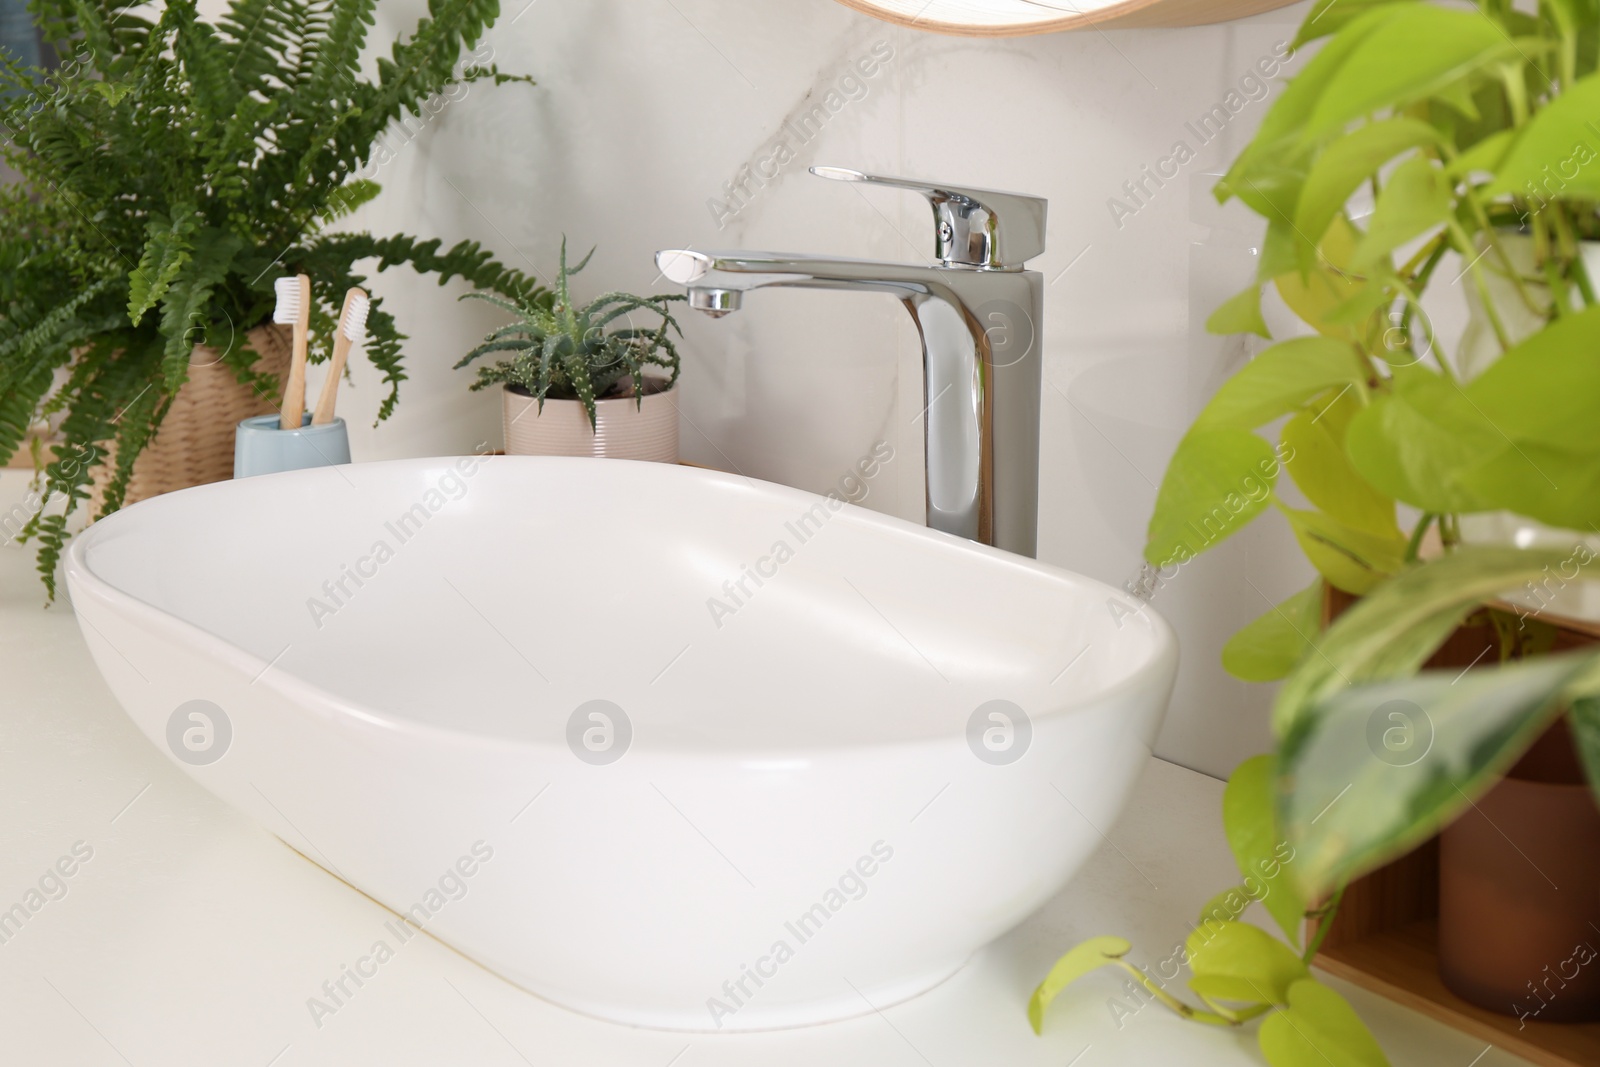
[979, 327]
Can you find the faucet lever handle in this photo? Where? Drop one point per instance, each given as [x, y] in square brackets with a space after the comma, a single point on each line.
[972, 227]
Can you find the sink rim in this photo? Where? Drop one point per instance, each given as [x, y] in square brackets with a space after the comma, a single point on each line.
[83, 580]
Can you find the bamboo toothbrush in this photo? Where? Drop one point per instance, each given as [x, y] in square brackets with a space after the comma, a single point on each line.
[294, 309]
[352, 330]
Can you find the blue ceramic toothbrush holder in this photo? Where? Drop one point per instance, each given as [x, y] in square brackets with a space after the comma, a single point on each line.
[259, 447]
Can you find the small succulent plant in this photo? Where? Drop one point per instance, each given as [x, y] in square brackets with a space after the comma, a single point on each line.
[565, 352]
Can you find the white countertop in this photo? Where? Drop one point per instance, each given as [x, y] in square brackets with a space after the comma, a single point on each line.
[192, 937]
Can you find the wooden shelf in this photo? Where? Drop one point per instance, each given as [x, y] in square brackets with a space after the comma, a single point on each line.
[1386, 939]
[1015, 18]
[1403, 965]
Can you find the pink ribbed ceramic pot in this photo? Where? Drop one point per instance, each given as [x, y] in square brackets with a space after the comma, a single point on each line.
[623, 429]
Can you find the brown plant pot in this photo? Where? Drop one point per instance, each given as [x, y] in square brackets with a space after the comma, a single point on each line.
[195, 443]
[1519, 891]
[623, 428]
[1486, 886]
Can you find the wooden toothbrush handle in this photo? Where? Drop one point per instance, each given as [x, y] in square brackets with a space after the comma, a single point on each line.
[294, 393]
[330, 387]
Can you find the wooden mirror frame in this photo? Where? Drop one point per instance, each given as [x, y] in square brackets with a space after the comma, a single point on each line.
[1121, 13]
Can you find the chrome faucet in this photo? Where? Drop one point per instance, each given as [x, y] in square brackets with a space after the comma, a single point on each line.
[979, 314]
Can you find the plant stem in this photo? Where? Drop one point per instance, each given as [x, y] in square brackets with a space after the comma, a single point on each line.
[1487, 228]
[1517, 97]
[1413, 304]
[1429, 252]
[1516, 92]
[1580, 274]
[1566, 243]
[1556, 281]
[1567, 44]
[1541, 241]
[1569, 269]
[1449, 530]
[1325, 916]
[1178, 1006]
[1415, 544]
[1239, 1017]
[1464, 246]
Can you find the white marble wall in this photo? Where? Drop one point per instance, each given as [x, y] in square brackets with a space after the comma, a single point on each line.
[645, 108]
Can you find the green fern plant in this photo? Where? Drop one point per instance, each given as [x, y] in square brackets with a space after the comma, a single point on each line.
[172, 169]
[566, 352]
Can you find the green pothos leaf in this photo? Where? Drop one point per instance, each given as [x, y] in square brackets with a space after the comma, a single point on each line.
[1585, 717]
[1417, 198]
[1240, 313]
[1328, 16]
[1227, 905]
[1375, 769]
[1267, 175]
[1249, 815]
[1483, 157]
[1520, 437]
[1421, 443]
[1351, 559]
[1349, 162]
[1279, 381]
[1239, 962]
[1319, 1028]
[1392, 631]
[1317, 461]
[1556, 139]
[1267, 648]
[1216, 482]
[1386, 69]
[1090, 956]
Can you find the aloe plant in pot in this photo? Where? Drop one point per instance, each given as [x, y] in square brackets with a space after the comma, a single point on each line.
[574, 386]
[1423, 143]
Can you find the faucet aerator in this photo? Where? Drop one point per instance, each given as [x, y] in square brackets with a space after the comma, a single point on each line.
[715, 302]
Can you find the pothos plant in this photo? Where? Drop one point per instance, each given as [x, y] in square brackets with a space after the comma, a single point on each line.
[1419, 139]
[565, 351]
[171, 170]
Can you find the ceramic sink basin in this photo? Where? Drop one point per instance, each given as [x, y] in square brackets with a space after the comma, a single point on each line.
[666, 746]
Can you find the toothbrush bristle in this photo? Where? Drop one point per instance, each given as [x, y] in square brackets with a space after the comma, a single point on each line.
[354, 325]
[287, 313]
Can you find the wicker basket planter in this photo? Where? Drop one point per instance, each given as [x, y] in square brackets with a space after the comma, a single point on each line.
[195, 443]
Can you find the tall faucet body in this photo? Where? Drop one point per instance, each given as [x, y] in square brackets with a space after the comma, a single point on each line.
[979, 325]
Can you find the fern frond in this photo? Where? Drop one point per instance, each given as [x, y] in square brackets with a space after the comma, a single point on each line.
[183, 318]
[348, 198]
[175, 165]
[467, 260]
[164, 256]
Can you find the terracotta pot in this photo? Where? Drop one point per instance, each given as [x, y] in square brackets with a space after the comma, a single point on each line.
[623, 428]
[1519, 891]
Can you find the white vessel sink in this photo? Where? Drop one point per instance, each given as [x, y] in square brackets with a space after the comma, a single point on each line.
[807, 807]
